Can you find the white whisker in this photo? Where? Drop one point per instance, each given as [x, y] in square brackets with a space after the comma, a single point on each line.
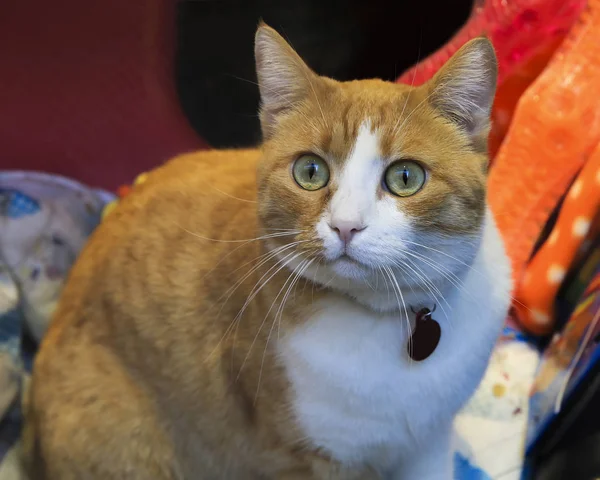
[296, 273]
[400, 298]
[245, 240]
[296, 255]
[412, 83]
[429, 285]
[279, 265]
[422, 102]
[460, 262]
[230, 292]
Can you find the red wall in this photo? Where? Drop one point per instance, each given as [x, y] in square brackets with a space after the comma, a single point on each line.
[87, 88]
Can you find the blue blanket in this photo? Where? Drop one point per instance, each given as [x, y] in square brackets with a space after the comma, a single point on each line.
[44, 222]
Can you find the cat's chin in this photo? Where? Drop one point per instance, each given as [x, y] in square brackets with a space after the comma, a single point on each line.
[348, 268]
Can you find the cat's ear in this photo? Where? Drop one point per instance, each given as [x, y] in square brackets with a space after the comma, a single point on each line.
[284, 79]
[463, 89]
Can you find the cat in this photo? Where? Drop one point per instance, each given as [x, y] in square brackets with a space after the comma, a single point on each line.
[246, 314]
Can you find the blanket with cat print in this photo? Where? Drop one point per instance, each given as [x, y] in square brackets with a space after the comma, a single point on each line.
[44, 223]
[491, 429]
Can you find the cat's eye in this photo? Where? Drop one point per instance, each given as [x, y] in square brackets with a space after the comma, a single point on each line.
[404, 178]
[311, 172]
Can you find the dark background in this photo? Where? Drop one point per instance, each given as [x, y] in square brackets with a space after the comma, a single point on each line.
[341, 39]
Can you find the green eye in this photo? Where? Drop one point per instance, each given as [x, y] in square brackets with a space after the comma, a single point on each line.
[311, 172]
[404, 178]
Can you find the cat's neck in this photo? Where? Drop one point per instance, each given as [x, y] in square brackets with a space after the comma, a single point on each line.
[402, 299]
[387, 292]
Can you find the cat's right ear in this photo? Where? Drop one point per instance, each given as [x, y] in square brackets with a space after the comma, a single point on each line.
[463, 89]
[284, 79]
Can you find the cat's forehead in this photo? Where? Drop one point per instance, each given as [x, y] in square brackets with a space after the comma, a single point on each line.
[353, 106]
[331, 123]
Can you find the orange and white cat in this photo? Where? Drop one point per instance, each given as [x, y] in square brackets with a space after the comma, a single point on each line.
[247, 314]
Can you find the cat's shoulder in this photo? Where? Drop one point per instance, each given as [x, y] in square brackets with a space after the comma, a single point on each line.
[189, 189]
[218, 165]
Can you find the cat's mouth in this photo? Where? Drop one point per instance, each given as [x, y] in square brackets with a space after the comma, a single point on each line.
[348, 267]
[344, 257]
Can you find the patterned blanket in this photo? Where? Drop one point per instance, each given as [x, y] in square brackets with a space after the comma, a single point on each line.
[44, 222]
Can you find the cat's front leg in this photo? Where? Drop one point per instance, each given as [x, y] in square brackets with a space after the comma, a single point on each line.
[432, 461]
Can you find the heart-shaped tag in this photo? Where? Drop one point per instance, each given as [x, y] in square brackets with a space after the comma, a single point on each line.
[425, 336]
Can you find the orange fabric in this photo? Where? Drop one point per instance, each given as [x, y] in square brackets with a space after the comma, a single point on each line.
[544, 274]
[556, 126]
[512, 88]
[517, 28]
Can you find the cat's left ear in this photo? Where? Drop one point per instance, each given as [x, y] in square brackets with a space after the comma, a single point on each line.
[284, 79]
[463, 89]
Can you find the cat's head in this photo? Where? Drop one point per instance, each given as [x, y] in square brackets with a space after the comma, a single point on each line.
[371, 177]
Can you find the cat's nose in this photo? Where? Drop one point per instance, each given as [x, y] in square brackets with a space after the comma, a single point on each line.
[346, 229]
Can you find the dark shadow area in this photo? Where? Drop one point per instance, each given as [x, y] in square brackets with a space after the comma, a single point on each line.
[341, 39]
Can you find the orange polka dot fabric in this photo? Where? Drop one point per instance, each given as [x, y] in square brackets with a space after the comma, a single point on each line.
[554, 129]
[543, 276]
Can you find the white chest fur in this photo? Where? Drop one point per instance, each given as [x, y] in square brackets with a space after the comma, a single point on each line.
[357, 394]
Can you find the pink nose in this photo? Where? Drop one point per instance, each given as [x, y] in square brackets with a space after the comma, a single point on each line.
[346, 230]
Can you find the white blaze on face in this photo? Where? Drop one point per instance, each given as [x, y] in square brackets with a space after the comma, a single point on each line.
[356, 191]
[356, 194]
[356, 202]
